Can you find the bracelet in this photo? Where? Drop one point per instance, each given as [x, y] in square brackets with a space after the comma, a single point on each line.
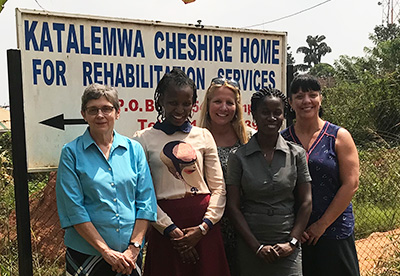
[259, 249]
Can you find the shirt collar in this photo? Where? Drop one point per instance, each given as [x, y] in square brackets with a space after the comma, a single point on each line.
[253, 146]
[118, 140]
[169, 129]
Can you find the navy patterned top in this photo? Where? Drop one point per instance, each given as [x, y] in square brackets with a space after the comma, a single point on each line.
[324, 170]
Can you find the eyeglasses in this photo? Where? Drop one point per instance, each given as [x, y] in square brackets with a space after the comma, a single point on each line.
[106, 110]
[223, 81]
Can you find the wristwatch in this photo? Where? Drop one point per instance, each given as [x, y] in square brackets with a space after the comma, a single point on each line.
[135, 244]
[294, 242]
[203, 230]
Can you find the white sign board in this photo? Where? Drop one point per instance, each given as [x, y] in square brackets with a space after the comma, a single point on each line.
[62, 54]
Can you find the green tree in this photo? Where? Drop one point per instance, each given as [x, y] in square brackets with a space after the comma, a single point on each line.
[366, 98]
[289, 56]
[315, 50]
[385, 33]
[322, 70]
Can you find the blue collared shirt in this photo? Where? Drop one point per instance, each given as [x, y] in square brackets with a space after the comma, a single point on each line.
[111, 193]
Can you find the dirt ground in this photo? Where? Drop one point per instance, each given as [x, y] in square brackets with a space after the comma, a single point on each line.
[372, 251]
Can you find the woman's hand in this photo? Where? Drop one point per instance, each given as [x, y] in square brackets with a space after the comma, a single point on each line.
[192, 236]
[268, 254]
[118, 261]
[283, 249]
[314, 232]
[131, 254]
[184, 244]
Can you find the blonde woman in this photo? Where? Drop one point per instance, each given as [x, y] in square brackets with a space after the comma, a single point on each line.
[222, 115]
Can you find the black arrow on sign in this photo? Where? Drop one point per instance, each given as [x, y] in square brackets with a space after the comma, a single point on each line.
[59, 122]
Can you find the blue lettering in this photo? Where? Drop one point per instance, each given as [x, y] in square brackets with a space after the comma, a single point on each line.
[109, 42]
[218, 48]
[84, 49]
[30, 35]
[58, 27]
[170, 45]
[272, 78]
[95, 40]
[244, 50]
[255, 51]
[108, 74]
[130, 79]
[97, 72]
[137, 76]
[190, 73]
[45, 40]
[36, 71]
[236, 74]
[264, 78]
[145, 84]
[275, 52]
[228, 48]
[119, 79]
[220, 73]
[60, 73]
[46, 72]
[192, 46]
[246, 78]
[139, 48]
[72, 41]
[125, 40]
[158, 69]
[201, 78]
[159, 51]
[87, 73]
[228, 73]
[181, 46]
[202, 47]
[265, 52]
[256, 81]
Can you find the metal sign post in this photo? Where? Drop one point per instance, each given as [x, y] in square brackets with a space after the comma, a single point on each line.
[20, 172]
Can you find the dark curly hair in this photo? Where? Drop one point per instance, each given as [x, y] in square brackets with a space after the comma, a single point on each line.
[268, 92]
[178, 78]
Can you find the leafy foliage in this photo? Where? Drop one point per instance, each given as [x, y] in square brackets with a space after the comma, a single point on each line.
[314, 51]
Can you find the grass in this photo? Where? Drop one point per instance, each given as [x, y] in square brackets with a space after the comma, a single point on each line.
[371, 218]
[8, 246]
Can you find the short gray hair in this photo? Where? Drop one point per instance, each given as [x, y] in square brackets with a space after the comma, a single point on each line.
[95, 91]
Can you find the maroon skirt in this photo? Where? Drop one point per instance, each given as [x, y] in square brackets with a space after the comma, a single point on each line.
[162, 259]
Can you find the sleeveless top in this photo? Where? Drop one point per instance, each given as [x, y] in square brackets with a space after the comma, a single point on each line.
[223, 154]
[324, 170]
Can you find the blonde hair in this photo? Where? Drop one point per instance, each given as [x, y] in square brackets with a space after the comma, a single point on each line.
[237, 121]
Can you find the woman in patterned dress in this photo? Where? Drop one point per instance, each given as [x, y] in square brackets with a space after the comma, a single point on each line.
[222, 115]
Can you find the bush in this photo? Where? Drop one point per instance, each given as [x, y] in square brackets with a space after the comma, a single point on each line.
[376, 201]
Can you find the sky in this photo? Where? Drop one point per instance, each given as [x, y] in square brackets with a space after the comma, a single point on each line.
[346, 24]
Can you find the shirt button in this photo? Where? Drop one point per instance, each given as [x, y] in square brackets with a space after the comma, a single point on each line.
[109, 169]
[115, 200]
[112, 184]
[116, 215]
[117, 229]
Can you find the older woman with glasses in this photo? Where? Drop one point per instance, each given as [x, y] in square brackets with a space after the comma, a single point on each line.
[222, 114]
[105, 195]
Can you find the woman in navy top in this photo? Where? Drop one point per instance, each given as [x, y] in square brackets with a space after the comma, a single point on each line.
[328, 241]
